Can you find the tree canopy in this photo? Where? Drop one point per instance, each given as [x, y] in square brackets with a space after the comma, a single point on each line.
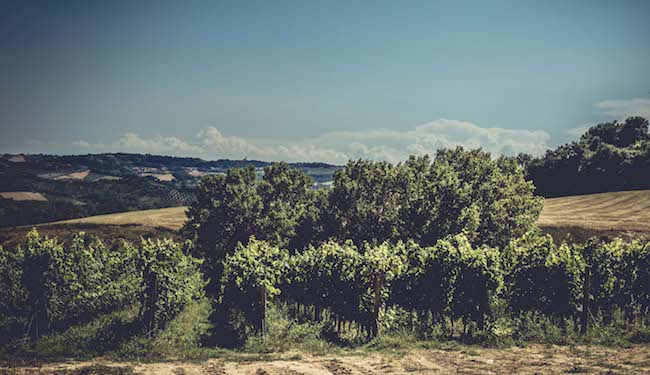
[611, 156]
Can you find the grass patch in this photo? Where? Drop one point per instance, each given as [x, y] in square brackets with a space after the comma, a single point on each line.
[97, 337]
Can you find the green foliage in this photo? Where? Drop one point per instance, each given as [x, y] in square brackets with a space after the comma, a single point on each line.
[282, 209]
[450, 278]
[611, 156]
[458, 192]
[637, 260]
[252, 273]
[543, 277]
[225, 214]
[476, 279]
[290, 207]
[52, 284]
[365, 202]
[326, 276]
[49, 285]
[171, 280]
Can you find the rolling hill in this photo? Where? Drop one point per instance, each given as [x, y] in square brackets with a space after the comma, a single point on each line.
[625, 214]
[618, 211]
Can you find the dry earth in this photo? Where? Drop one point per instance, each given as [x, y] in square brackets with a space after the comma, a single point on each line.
[160, 176]
[73, 176]
[23, 196]
[535, 359]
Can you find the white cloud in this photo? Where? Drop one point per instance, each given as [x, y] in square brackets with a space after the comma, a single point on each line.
[339, 147]
[157, 144]
[618, 109]
[81, 143]
[395, 145]
[623, 108]
[579, 131]
[214, 141]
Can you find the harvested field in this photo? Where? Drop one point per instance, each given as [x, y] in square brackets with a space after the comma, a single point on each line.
[170, 218]
[73, 176]
[17, 159]
[534, 359]
[23, 196]
[619, 214]
[160, 176]
[618, 211]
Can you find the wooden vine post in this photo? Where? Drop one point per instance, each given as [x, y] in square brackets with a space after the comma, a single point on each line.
[377, 285]
[262, 290]
[585, 304]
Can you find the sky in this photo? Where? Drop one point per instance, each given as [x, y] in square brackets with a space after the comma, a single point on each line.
[316, 80]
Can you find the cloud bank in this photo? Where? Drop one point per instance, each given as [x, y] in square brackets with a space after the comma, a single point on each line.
[623, 108]
[339, 147]
[616, 109]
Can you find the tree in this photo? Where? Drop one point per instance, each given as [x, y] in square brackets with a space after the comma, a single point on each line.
[610, 156]
[281, 209]
[426, 200]
[365, 202]
[467, 192]
[226, 213]
[290, 207]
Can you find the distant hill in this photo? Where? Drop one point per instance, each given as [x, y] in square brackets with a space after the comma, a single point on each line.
[74, 186]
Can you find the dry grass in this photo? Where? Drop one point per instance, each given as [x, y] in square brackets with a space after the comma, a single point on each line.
[534, 359]
[625, 213]
[23, 196]
[618, 211]
[73, 176]
[160, 176]
[17, 159]
[170, 218]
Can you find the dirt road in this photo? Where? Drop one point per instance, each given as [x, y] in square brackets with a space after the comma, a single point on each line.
[536, 359]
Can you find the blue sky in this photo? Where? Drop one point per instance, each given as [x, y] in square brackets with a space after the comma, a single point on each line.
[316, 81]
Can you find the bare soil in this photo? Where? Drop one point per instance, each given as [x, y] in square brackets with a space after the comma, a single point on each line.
[534, 359]
[23, 196]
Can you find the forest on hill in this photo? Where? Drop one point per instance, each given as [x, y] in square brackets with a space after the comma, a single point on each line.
[611, 156]
[86, 185]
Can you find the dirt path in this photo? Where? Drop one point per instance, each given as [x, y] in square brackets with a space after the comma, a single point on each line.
[537, 359]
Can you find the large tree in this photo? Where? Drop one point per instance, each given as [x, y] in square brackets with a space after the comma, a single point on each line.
[281, 209]
[426, 200]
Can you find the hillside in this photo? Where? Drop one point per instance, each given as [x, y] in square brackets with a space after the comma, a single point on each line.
[169, 218]
[625, 213]
[623, 210]
[46, 188]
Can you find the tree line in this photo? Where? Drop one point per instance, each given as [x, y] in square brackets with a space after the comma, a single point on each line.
[611, 156]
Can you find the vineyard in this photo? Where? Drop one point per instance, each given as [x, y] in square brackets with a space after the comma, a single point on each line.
[423, 253]
[451, 290]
